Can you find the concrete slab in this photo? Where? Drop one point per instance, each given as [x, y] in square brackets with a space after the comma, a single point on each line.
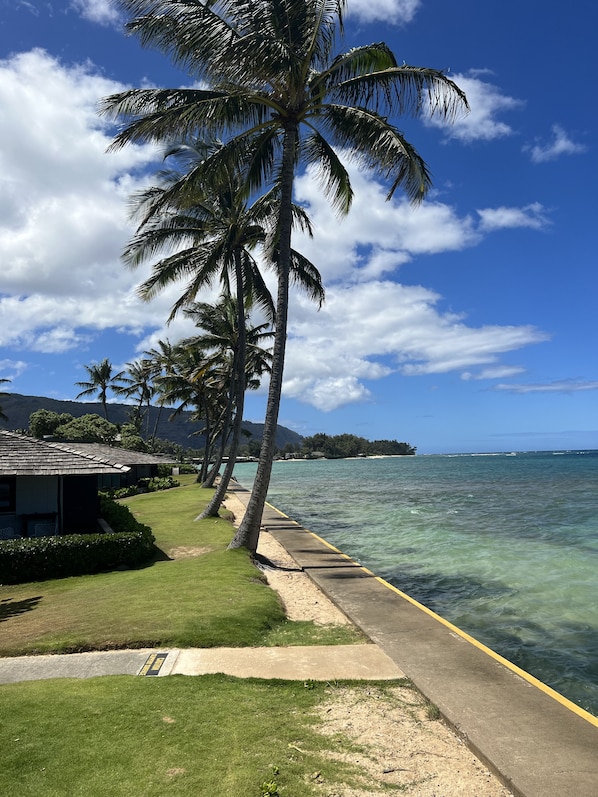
[321, 663]
[72, 665]
[538, 743]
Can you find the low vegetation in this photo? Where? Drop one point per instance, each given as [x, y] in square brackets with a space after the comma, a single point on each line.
[123, 735]
[118, 736]
[194, 593]
[38, 559]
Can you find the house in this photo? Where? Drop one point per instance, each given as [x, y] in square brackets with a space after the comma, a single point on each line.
[52, 488]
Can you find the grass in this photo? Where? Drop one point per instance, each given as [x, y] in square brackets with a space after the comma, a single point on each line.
[207, 735]
[214, 598]
[184, 736]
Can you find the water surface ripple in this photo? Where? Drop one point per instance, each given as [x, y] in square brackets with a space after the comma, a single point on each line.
[504, 546]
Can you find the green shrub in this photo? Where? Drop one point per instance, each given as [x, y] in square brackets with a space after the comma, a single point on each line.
[41, 558]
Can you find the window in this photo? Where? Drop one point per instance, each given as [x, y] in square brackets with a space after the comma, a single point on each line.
[7, 493]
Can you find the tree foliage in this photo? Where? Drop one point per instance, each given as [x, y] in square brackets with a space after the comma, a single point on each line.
[349, 445]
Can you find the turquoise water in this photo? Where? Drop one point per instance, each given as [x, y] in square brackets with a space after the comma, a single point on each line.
[504, 546]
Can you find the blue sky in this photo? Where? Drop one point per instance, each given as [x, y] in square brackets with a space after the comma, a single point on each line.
[468, 324]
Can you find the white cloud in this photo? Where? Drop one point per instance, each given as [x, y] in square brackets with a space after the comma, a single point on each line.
[532, 216]
[487, 103]
[564, 386]
[10, 369]
[496, 372]
[560, 144]
[63, 224]
[393, 12]
[103, 12]
[367, 331]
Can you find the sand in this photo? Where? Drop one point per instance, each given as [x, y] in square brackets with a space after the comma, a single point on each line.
[401, 742]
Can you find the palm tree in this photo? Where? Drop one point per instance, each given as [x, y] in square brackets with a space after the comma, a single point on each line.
[101, 379]
[137, 382]
[194, 380]
[212, 230]
[238, 343]
[280, 96]
[3, 416]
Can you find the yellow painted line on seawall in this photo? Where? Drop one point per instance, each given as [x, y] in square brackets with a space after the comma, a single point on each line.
[463, 634]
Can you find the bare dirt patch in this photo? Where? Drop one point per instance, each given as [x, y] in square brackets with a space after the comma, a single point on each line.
[187, 552]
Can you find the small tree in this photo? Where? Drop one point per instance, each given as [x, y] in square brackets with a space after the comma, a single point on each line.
[88, 429]
[44, 423]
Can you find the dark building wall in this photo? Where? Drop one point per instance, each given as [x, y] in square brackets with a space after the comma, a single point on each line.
[80, 505]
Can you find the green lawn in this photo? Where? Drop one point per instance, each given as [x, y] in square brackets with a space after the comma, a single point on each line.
[187, 737]
[210, 597]
[183, 736]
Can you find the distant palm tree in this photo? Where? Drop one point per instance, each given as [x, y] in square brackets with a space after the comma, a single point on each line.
[137, 383]
[270, 82]
[239, 345]
[101, 379]
[3, 417]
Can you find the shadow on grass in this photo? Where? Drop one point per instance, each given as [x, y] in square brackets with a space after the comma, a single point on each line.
[10, 608]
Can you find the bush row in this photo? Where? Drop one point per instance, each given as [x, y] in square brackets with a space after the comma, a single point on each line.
[148, 485]
[78, 554]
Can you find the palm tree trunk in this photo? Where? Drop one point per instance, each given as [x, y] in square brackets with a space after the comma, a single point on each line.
[237, 397]
[248, 533]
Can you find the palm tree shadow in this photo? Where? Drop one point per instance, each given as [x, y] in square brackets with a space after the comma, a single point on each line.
[10, 608]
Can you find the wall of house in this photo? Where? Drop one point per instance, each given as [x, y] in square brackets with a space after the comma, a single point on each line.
[36, 495]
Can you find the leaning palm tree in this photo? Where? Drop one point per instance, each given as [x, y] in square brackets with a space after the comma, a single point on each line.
[101, 379]
[209, 233]
[278, 94]
[227, 336]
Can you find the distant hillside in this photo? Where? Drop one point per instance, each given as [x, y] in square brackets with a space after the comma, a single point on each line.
[180, 430]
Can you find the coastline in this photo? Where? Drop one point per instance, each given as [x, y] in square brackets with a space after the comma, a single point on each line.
[403, 742]
[537, 745]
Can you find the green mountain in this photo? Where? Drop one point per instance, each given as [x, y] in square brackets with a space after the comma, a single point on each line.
[181, 429]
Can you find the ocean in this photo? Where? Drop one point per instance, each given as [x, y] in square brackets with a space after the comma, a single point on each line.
[505, 546]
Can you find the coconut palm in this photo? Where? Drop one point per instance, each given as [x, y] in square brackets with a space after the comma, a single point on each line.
[137, 383]
[278, 94]
[101, 379]
[239, 344]
[193, 382]
[212, 231]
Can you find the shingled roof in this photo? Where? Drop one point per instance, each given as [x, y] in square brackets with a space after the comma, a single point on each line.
[27, 456]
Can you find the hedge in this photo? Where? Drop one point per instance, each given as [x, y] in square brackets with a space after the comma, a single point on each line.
[78, 554]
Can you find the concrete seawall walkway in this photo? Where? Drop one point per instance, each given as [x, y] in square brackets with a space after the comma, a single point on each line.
[536, 741]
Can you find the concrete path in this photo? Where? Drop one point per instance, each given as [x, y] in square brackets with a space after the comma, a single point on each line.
[333, 663]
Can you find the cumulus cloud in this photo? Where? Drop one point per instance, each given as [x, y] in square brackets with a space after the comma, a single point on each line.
[532, 216]
[63, 224]
[365, 332]
[563, 386]
[560, 144]
[393, 12]
[487, 104]
[102, 12]
[10, 369]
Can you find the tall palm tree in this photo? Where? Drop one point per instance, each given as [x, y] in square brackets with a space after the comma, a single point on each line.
[226, 335]
[213, 230]
[280, 96]
[101, 379]
[192, 382]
